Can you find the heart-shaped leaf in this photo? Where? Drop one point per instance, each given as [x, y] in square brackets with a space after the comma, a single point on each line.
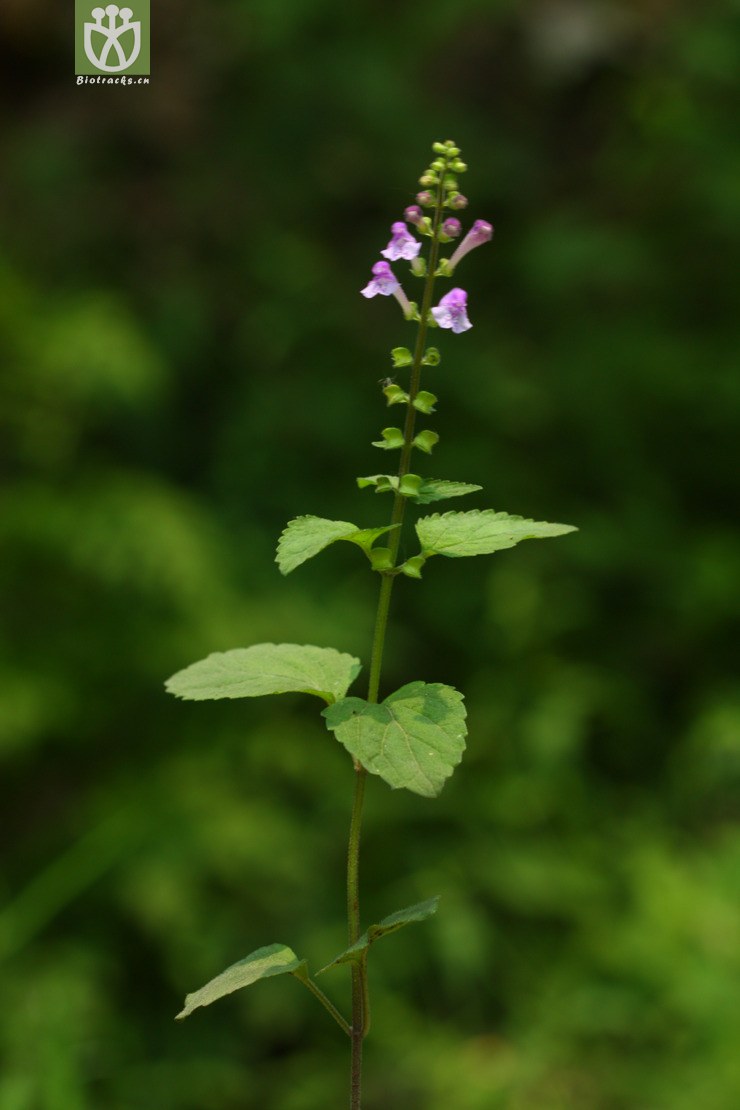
[414, 739]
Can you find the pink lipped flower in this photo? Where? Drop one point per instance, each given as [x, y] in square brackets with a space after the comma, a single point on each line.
[413, 214]
[385, 283]
[402, 244]
[481, 232]
[452, 311]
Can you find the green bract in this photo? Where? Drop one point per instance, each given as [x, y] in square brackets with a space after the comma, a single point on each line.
[267, 669]
[414, 739]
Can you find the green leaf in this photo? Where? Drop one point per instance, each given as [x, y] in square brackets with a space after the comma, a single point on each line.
[392, 438]
[306, 536]
[414, 739]
[401, 357]
[391, 924]
[426, 440]
[274, 959]
[424, 401]
[480, 532]
[395, 395]
[267, 669]
[437, 489]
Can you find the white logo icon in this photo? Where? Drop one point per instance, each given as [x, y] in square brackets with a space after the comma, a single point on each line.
[107, 37]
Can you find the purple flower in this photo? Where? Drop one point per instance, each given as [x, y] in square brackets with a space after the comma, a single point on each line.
[384, 282]
[458, 201]
[425, 198]
[402, 245]
[452, 311]
[413, 214]
[452, 227]
[481, 232]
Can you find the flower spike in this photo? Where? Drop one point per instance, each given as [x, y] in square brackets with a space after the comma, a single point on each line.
[452, 311]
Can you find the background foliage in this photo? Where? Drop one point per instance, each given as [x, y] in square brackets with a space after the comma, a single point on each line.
[187, 364]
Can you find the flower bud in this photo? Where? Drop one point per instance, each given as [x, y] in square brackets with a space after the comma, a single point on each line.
[426, 200]
[457, 200]
[452, 227]
[413, 215]
[427, 180]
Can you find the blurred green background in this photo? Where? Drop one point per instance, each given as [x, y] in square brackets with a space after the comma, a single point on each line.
[187, 364]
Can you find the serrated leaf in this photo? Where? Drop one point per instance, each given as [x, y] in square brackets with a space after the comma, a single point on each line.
[438, 489]
[267, 669]
[274, 959]
[305, 536]
[413, 740]
[480, 532]
[390, 924]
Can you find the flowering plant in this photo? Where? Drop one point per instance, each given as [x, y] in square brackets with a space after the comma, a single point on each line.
[415, 737]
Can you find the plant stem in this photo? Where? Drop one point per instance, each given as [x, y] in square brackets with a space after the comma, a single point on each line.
[360, 997]
[326, 1003]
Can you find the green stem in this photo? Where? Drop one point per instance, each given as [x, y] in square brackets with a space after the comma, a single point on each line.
[360, 996]
[326, 1003]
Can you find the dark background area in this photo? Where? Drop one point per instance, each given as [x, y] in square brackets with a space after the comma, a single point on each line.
[186, 365]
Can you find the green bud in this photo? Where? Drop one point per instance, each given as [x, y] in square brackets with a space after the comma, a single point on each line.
[424, 401]
[426, 440]
[458, 166]
[450, 182]
[401, 357]
[439, 165]
[412, 567]
[410, 485]
[380, 558]
[441, 148]
[419, 266]
[427, 180]
[392, 438]
[394, 394]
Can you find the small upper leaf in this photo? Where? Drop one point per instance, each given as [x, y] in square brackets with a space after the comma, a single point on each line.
[390, 924]
[274, 959]
[267, 669]
[480, 532]
[306, 536]
[437, 489]
[414, 739]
